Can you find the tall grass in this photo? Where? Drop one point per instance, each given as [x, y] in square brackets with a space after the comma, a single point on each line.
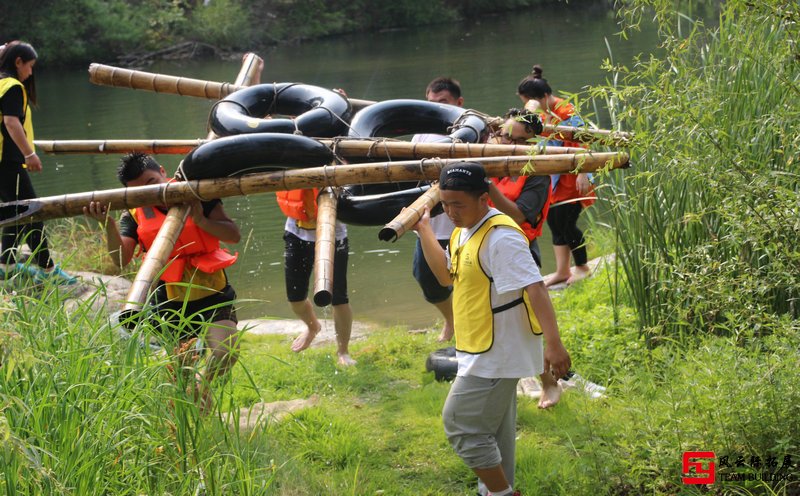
[707, 221]
[83, 412]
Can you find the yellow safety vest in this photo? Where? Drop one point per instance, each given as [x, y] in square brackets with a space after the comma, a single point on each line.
[473, 311]
[5, 85]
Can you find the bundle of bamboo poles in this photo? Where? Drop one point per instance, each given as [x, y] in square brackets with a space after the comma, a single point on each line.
[175, 193]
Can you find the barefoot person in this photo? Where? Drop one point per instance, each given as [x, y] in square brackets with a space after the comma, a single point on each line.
[501, 310]
[440, 90]
[300, 235]
[571, 193]
[526, 199]
[193, 298]
[17, 92]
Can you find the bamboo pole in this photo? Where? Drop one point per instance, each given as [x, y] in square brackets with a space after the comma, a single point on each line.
[174, 193]
[157, 256]
[346, 148]
[106, 75]
[406, 219]
[325, 247]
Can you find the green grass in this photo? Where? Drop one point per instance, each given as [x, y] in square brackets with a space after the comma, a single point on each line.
[85, 413]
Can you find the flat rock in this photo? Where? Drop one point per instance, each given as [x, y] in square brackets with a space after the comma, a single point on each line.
[293, 327]
[262, 412]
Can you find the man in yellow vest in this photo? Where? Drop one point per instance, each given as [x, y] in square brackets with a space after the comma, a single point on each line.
[501, 312]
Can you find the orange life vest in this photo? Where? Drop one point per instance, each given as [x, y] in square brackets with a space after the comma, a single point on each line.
[512, 190]
[566, 188]
[194, 246]
[563, 111]
[299, 204]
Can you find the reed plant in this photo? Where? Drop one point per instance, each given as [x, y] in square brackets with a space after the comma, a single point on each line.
[707, 220]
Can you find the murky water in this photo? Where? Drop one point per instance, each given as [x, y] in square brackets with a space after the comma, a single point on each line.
[488, 57]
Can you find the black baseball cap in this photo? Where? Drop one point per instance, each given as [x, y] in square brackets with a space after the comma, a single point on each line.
[463, 176]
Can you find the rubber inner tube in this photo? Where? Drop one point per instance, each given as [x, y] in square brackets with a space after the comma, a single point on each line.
[319, 112]
[247, 153]
[392, 118]
[377, 204]
[443, 364]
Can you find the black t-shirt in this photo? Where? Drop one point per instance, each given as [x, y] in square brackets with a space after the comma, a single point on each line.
[533, 197]
[128, 225]
[11, 103]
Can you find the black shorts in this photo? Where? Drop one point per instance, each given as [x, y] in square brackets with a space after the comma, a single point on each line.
[189, 319]
[299, 263]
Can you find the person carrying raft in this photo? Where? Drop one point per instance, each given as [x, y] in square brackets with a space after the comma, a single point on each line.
[571, 193]
[300, 235]
[194, 298]
[502, 310]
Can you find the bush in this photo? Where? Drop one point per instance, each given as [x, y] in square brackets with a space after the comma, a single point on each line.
[708, 221]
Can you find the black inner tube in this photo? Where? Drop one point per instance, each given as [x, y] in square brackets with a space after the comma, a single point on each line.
[320, 112]
[248, 153]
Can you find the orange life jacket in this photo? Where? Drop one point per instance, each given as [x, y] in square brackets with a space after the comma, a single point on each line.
[194, 246]
[299, 204]
[563, 111]
[566, 188]
[512, 190]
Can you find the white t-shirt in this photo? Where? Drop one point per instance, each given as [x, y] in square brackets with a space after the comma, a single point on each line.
[311, 234]
[441, 224]
[516, 351]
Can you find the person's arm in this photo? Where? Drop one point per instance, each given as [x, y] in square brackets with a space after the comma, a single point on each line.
[216, 223]
[120, 248]
[556, 357]
[17, 134]
[505, 205]
[432, 250]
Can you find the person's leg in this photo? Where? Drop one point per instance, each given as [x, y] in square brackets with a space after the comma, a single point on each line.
[474, 411]
[342, 312]
[434, 293]
[556, 219]
[577, 245]
[305, 312]
[298, 264]
[343, 323]
[32, 234]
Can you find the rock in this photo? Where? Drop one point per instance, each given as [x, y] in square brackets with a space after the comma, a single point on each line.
[293, 327]
[250, 417]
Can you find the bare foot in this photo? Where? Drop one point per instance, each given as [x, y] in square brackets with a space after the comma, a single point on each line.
[581, 272]
[556, 278]
[551, 391]
[345, 360]
[305, 339]
[446, 334]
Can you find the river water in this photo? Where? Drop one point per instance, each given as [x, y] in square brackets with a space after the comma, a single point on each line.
[489, 58]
